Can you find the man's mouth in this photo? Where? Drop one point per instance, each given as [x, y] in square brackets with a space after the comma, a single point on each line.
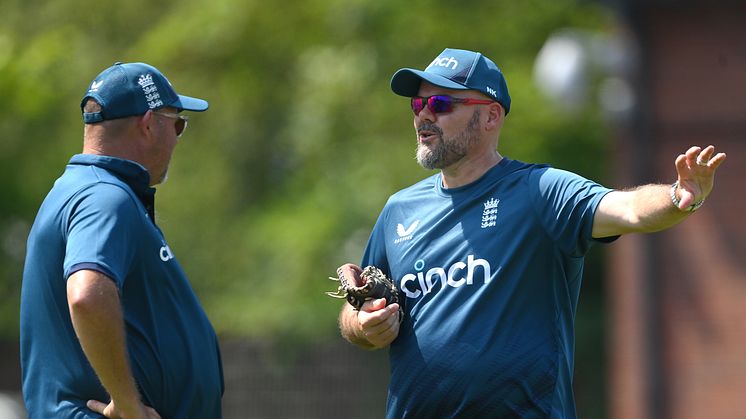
[426, 136]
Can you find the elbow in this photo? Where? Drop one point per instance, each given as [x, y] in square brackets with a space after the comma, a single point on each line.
[89, 297]
[82, 300]
[78, 298]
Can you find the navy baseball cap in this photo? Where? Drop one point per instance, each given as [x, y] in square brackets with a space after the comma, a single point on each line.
[128, 89]
[456, 69]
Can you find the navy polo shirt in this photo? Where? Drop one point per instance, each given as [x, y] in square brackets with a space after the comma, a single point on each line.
[490, 274]
[99, 216]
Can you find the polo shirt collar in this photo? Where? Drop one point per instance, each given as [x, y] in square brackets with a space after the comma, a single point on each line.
[132, 173]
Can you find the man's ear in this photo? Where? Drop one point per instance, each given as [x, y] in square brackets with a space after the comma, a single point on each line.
[143, 124]
[495, 116]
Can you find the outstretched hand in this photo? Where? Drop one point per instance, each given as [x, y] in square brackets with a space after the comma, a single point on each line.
[696, 171]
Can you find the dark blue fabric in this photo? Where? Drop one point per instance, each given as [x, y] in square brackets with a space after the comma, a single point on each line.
[491, 275]
[99, 216]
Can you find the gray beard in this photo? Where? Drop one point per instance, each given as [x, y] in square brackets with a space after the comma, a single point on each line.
[447, 151]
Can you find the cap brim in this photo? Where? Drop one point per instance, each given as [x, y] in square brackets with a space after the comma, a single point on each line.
[406, 82]
[187, 103]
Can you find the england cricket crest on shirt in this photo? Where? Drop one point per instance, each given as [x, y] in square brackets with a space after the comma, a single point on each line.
[489, 215]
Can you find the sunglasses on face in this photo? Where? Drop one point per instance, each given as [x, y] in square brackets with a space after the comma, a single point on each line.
[181, 121]
[442, 103]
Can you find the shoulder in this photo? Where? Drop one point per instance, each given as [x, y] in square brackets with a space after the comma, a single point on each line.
[547, 177]
[517, 169]
[103, 200]
[423, 187]
[104, 194]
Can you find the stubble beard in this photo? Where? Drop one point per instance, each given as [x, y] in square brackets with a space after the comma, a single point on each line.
[447, 151]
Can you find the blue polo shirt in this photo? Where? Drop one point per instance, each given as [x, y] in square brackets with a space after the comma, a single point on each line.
[490, 274]
[99, 216]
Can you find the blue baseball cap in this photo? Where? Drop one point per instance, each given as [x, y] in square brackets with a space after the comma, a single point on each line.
[456, 69]
[128, 89]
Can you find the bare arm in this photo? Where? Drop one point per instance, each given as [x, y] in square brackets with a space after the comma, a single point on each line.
[649, 208]
[96, 314]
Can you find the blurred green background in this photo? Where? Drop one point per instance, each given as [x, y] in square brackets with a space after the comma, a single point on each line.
[281, 180]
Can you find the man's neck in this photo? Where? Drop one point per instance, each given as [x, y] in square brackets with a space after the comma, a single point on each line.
[469, 169]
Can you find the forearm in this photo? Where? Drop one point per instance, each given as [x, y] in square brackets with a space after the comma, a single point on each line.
[96, 314]
[652, 209]
[644, 209]
[350, 328]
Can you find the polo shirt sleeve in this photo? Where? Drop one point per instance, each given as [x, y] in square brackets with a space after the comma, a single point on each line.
[102, 229]
[375, 251]
[566, 204]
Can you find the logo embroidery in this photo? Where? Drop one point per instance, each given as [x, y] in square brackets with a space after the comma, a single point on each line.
[165, 253]
[145, 80]
[444, 62]
[491, 91]
[457, 275]
[405, 233]
[95, 85]
[150, 90]
[489, 215]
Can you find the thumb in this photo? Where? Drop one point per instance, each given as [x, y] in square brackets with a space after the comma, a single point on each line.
[375, 305]
[96, 406]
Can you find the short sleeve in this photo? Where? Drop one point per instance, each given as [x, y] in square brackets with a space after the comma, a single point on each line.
[102, 229]
[375, 251]
[566, 204]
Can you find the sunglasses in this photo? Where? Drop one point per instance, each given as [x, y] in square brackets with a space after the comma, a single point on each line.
[442, 104]
[181, 121]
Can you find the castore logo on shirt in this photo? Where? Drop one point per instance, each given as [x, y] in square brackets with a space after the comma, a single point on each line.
[405, 233]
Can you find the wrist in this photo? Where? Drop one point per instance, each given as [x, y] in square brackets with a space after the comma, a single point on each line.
[351, 328]
[676, 200]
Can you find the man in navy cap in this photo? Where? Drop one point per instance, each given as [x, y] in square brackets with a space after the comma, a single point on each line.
[488, 254]
[109, 322]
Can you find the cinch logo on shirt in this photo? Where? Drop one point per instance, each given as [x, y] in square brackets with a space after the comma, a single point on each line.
[415, 285]
[165, 253]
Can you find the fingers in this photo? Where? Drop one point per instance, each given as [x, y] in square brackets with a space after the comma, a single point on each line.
[97, 406]
[716, 161]
[152, 414]
[374, 305]
[698, 162]
[101, 408]
[697, 157]
[696, 174]
[682, 165]
[380, 327]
